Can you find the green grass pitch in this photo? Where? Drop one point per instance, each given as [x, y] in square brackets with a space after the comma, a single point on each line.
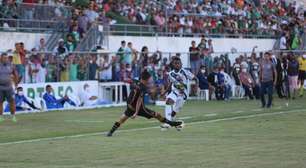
[235, 134]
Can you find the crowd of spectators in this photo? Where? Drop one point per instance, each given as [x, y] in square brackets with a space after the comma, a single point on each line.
[213, 16]
[265, 17]
[217, 73]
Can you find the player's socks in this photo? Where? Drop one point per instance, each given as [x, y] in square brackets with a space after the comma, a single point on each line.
[168, 112]
[172, 123]
[14, 119]
[114, 128]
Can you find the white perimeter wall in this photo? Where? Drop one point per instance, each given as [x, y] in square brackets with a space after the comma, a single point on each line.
[179, 44]
[30, 40]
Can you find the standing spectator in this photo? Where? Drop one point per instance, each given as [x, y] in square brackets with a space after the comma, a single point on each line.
[83, 21]
[17, 60]
[280, 76]
[195, 61]
[293, 72]
[51, 70]
[41, 46]
[128, 54]
[35, 65]
[255, 75]
[302, 73]
[70, 43]
[268, 78]
[247, 83]
[82, 69]
[64, 70]
[283, 42]
[60, 50]
[106, 69]
[121, 52]
[73, 68]
[93, 67]
[6, 86]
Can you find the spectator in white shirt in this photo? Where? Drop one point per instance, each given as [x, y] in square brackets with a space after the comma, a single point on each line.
[88, 98]
[106, 69]
[283, 42]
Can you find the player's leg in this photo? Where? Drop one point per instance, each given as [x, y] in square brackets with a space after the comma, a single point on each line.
[177, 106]
[127, 114]
[170, 101]
[162, 119]
[117, 124]
[8, 94]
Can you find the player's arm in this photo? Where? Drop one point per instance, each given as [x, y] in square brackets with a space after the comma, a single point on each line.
[167, 89]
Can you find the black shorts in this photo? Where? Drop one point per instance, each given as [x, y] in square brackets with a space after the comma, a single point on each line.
[302, 75]
[143, 112]
[6, 94]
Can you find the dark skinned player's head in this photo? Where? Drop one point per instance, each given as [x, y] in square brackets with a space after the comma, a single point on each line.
[145, 77]
[176, 63]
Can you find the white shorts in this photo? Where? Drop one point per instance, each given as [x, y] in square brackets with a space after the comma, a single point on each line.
[178, 101]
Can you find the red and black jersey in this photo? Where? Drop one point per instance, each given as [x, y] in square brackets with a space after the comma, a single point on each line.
[138, 91]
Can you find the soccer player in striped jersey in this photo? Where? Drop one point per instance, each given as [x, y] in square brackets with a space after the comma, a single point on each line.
[179, 78]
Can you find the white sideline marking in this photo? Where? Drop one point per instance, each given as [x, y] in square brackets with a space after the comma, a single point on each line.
[147, 128]
[184, 118]
[84, 121]
[237, 112]
[210, 115]
[257, 110]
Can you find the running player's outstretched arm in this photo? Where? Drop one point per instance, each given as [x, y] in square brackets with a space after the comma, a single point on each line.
[191, 76]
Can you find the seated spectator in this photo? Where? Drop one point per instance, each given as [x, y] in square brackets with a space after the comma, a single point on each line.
[20, 99]
[52, 102]
[247, 83]
[224, 81]
[89, 99]
[203, 81]
[213, 82]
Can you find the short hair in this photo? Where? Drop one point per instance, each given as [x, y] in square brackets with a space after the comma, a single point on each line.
[175, 58]
[122, 42]
[48, 86]
[145, 75]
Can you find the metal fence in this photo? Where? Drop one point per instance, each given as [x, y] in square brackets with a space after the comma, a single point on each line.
[23, 25]
[149, 30]
[31, 11]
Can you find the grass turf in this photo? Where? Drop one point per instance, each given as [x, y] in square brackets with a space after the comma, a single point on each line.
[265, 141]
